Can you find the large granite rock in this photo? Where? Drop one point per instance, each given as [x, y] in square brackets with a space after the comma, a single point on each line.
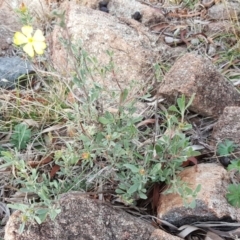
[82, 218]
[194, 74]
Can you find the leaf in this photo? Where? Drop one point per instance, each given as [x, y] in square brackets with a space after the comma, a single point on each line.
[226, 148]
[156, 195]
[146, 122]
[212, 236]
[43, 161]
[190, 101]
[198, 189]
[54, 170]
[186, 230]
[123, 96]
[235, 165]
[181, 103]
[103, 120]
[189, 161]
[132, 167]
[133, 188]
[173, 108]
[119, 191]
[21, 136]
[109, 116]
[233, 195]
[142, 195]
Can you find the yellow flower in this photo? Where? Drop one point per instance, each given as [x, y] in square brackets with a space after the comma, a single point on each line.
[108, 137]
[23, 8]
[85, 155]
[35, 42]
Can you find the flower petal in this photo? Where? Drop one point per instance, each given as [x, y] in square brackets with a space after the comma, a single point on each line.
[28, 48]
[27, 30]
[19, 38]
[38, 36]
[39, 47]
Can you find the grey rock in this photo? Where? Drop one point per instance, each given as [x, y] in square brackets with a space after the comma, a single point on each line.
[228, 11]
[11, 68]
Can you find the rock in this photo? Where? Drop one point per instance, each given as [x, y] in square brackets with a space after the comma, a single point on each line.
[94, 4]
[159, 234]
[100, 32]
[194, 74]
[10, 69]
[226, 10]
[126, 8]
[227, 126]
[9, 23]
[218, 27]
[211, 202]
[82, 218]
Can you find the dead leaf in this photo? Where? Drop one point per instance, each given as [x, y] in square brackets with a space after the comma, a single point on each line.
[146, 122]
[212, 236]
[31, 123]
[43, 161]
[185, 230]
[190, 160]
[52, 128]
[156, 195]
[159, 27]
[54, 170]
[70, 98]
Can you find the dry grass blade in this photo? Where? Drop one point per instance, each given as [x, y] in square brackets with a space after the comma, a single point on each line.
[212, 236]
[186, 230]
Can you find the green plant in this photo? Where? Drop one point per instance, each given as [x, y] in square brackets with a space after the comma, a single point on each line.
[21, 136]
[24, 14]
[93, 138]
[226, 148]
[28, 179]
[233, 195]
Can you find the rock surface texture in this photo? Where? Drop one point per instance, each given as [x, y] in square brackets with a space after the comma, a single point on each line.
[228, 126]
[8, 24]
[211, 202]
[83, 218]
[10, 69]
[159, 234]
[127, 45]
[194, 74]
[131, 47]
[126, 9]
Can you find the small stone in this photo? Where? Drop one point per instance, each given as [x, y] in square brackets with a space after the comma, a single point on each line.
[104, 9]
[211, 50]
[171, 40]
[195, 41]
[103, 4]
[225, 161]
[224, 11]
[137, 16]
